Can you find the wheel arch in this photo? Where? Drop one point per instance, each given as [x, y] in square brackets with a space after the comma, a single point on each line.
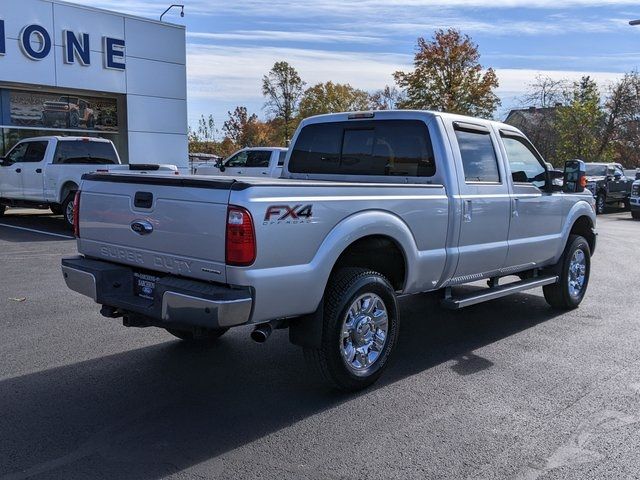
[67, 187]
[581, 220]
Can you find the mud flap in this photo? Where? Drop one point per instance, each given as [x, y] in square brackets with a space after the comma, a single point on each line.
[306, 331]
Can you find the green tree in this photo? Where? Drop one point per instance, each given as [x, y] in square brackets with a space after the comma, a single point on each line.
[283, 88]
[447, 76]
[580, 124]
[332, 97]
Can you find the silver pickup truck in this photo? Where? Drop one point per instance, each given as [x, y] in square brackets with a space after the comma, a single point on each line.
[371, 206]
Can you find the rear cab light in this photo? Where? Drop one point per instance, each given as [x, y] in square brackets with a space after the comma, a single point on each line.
[76, 214]
[240, 237]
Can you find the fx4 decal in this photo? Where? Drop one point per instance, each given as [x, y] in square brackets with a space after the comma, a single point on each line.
[277, 214]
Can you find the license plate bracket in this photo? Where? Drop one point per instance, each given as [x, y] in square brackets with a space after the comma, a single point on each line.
[144, 285]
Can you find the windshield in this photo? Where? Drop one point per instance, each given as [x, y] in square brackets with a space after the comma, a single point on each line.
[596, 170]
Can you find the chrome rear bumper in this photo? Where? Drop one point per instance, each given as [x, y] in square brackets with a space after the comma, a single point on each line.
[176, 301]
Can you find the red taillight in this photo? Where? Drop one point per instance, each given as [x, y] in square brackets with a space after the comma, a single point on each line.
[76, 214]
[241, 237]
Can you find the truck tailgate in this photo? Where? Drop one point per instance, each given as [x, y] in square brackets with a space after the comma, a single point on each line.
[156, 223]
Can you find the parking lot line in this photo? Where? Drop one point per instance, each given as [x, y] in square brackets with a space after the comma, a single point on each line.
[42, 232]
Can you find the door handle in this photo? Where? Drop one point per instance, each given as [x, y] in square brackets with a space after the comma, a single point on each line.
[516, 206]
[467, 211]
[264, 173]
[38, 170]
[18, 170]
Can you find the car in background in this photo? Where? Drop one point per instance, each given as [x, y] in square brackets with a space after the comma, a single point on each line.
[609, 185]
[249, 162]
[68, 112]
[45, 172]
[634, 201]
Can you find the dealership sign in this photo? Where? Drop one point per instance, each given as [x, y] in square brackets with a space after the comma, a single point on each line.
[75, 47]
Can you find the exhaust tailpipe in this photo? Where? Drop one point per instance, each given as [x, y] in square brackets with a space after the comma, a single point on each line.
[261, 333]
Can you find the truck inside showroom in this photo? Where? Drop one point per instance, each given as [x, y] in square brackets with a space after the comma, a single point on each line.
[67, 69]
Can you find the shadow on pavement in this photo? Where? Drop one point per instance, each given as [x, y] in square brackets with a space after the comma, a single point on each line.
[153, 411]
[44, 222]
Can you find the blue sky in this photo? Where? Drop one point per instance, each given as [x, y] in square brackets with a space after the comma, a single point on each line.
[231, 44]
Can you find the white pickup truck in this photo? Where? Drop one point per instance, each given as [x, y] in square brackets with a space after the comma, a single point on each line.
[45, 172]
[249, 162]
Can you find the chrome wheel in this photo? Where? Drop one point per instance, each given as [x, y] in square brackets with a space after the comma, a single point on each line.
[577, 273]
[364, 332]
[600, 204]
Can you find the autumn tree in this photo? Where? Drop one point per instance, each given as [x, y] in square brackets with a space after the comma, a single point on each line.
[332, 97]
[580, 124]
[235, 128]
[386, 99]
[447, 76]
[283, 88]
[621, 131]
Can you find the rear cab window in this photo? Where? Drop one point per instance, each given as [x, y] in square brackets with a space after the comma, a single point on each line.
[367, 148]
[81, 152]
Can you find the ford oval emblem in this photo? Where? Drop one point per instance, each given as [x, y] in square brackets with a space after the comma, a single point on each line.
[142, 227]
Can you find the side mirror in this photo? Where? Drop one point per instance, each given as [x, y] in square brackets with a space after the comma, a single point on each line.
[4, 162]
[575, 180]
[222, 168]
[617, 175]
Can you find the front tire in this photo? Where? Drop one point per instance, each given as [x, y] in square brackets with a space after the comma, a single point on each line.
[635, 215]
[3, 208]
[360, 329]
[56, 209]
[574, 269]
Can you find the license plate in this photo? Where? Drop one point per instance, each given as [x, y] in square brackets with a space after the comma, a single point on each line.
[144, 285]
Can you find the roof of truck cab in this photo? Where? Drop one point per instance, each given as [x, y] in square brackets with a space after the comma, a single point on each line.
[400, 114]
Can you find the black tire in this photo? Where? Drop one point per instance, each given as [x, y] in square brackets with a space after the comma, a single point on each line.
[558, 295]
[345, 288]
[635, 215]
[56, 209]
[204, 336]
[67, 209]
[3, 208]
[627, 204]
[601, 203]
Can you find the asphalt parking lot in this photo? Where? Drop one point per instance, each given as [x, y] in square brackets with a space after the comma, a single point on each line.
[506, 389]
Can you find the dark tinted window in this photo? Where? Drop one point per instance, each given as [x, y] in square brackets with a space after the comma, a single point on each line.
[282, 157]
[381, 148]
[478, 156]
[85, 152]
[35, 152]
[594, 170]
[258, 159]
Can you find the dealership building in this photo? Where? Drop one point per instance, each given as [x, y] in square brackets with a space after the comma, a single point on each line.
[67, 69]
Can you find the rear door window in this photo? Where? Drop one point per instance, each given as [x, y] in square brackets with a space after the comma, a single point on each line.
[378, 148]
[281, 158]
[85, 152]
[479, 159]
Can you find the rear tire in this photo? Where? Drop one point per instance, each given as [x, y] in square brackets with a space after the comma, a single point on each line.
[635, 215]
[204, 336]
[67, 209]
[360, 329]
[3, 208]
[573, 271]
